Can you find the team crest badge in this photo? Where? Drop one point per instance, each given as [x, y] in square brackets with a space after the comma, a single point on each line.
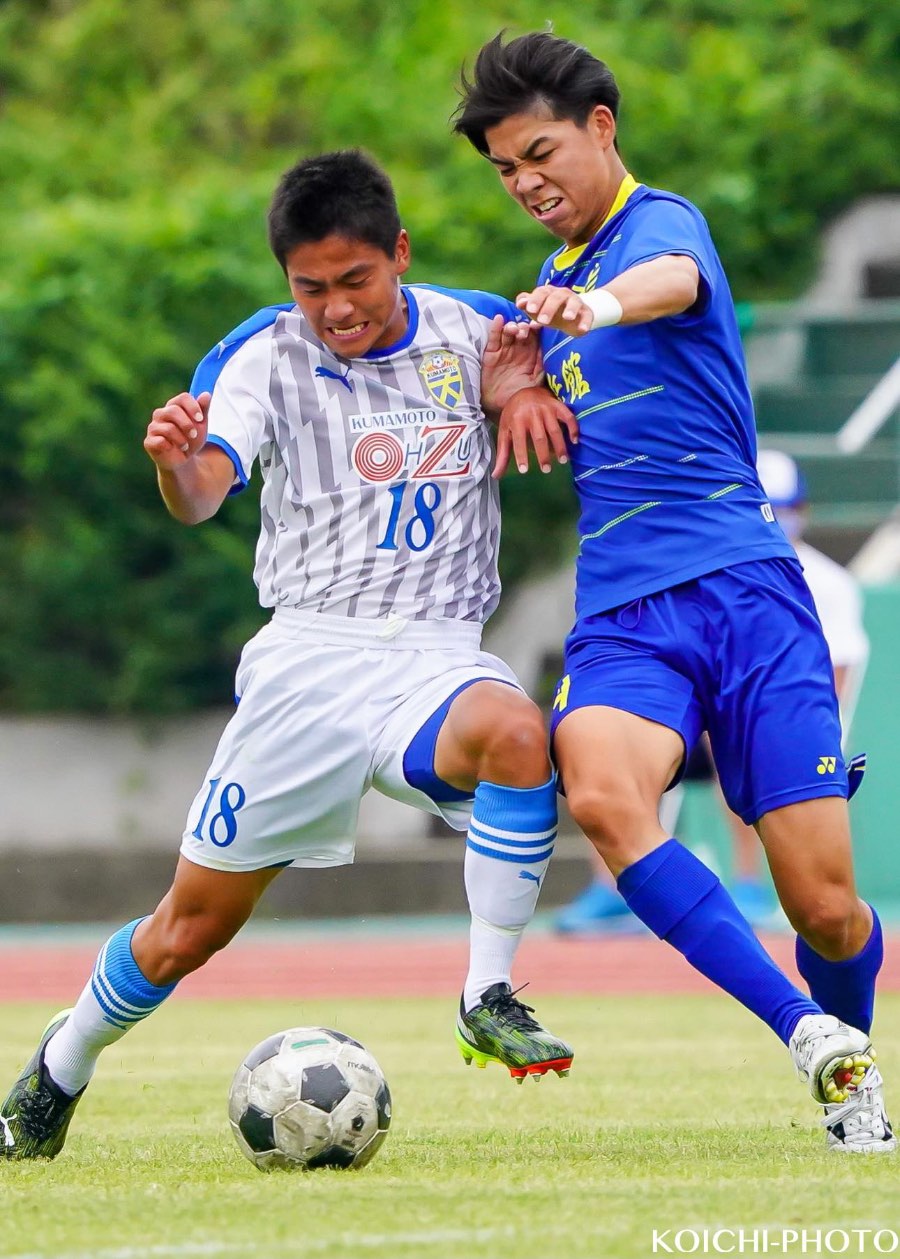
[443, 378]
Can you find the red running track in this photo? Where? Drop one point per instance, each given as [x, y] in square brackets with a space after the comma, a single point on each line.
[393, 965]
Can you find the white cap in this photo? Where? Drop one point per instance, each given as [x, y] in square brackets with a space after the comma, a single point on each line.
[782, 481]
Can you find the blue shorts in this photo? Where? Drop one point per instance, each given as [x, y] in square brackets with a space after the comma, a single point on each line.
[739, 653]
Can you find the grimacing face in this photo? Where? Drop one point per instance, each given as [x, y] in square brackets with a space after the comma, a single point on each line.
[350, 292]
[561, 174]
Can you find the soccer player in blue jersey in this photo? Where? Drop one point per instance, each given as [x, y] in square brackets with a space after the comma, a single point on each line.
[691, 608]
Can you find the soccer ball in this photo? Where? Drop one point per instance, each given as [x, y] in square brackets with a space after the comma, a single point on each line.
[309, 1097]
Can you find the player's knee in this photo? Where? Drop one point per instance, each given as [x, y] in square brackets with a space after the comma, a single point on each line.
[614, 819]
[827, 920]
[515, 747]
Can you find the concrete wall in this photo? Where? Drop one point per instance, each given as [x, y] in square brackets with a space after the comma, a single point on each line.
[868, 233]
[93, 811]
[94, 885]
[108, 785]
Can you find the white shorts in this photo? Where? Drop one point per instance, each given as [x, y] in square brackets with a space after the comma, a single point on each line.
[327, 708]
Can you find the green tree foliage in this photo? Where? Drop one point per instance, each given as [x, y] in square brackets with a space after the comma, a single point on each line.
[139, 144]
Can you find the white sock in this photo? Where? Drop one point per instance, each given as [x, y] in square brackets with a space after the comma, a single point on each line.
[508, 849]
[72, 1052]
[115, 998]
[491, 953]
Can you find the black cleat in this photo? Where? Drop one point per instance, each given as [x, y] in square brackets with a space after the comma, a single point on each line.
[500, 1029]
[36, 1115]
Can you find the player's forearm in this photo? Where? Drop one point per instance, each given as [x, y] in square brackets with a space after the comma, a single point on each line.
[194, 492]
[652, 290]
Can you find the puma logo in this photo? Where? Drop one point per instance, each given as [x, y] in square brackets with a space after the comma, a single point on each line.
[8, 1139]
[328, 374]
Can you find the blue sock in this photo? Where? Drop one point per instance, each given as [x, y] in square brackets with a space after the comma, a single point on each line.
[118, 984]
[845, 989]
[682, 902]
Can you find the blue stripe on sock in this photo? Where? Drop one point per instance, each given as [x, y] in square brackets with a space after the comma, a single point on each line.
[510, 843]
[526, 812]
[109, 1013]
[121, 1008]
[130, 1007]
[122, 991]
[524, 809]
[522, 858]
[107, 998]
[112, 1006]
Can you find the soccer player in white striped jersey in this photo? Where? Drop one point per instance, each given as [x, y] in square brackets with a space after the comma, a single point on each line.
[363, 403]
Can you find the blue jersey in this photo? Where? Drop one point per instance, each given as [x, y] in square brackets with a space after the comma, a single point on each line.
[665, 467]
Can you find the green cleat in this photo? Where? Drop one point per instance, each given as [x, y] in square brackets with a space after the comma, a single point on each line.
[35, 1117]
[501, 1029]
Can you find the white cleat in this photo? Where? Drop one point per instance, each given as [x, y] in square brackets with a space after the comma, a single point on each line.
[830, 1057]
[860, 1125]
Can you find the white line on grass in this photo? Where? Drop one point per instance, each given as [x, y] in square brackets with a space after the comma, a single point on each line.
[311, 1245]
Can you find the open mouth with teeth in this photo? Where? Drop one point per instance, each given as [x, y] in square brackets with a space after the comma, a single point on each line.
[543, 208]
[348, 334]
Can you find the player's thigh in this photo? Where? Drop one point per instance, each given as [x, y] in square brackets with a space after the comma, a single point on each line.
[772, 715]
[623, 715]
[615, 766]
[405, 758]
[809, 851]
[492, 731]
[287, 777]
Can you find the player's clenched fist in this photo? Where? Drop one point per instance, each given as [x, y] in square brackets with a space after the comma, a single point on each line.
[177, 431]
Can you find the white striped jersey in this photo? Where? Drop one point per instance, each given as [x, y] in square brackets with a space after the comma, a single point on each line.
[377, 498]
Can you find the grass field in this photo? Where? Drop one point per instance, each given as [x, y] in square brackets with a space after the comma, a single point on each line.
[681, 1112]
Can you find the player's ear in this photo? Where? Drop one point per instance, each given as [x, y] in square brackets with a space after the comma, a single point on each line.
[603, 125]
[402, 252]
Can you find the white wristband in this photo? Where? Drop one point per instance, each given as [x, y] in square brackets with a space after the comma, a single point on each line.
[605, 307]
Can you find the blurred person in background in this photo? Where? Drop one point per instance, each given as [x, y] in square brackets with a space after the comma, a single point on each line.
[838, 599]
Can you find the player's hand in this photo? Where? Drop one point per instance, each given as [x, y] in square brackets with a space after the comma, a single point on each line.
[534, 417]
[511, 361]
[551, 307]
[177, 431]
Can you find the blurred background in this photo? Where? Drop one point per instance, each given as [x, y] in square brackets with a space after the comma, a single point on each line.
[139, 146]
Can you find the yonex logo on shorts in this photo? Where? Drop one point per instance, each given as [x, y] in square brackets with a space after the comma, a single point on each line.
[826, 765]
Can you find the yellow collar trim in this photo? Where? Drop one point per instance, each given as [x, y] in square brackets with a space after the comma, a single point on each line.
[567, 256]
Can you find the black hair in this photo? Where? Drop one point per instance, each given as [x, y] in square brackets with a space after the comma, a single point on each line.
[343, 194]
[530, 71]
